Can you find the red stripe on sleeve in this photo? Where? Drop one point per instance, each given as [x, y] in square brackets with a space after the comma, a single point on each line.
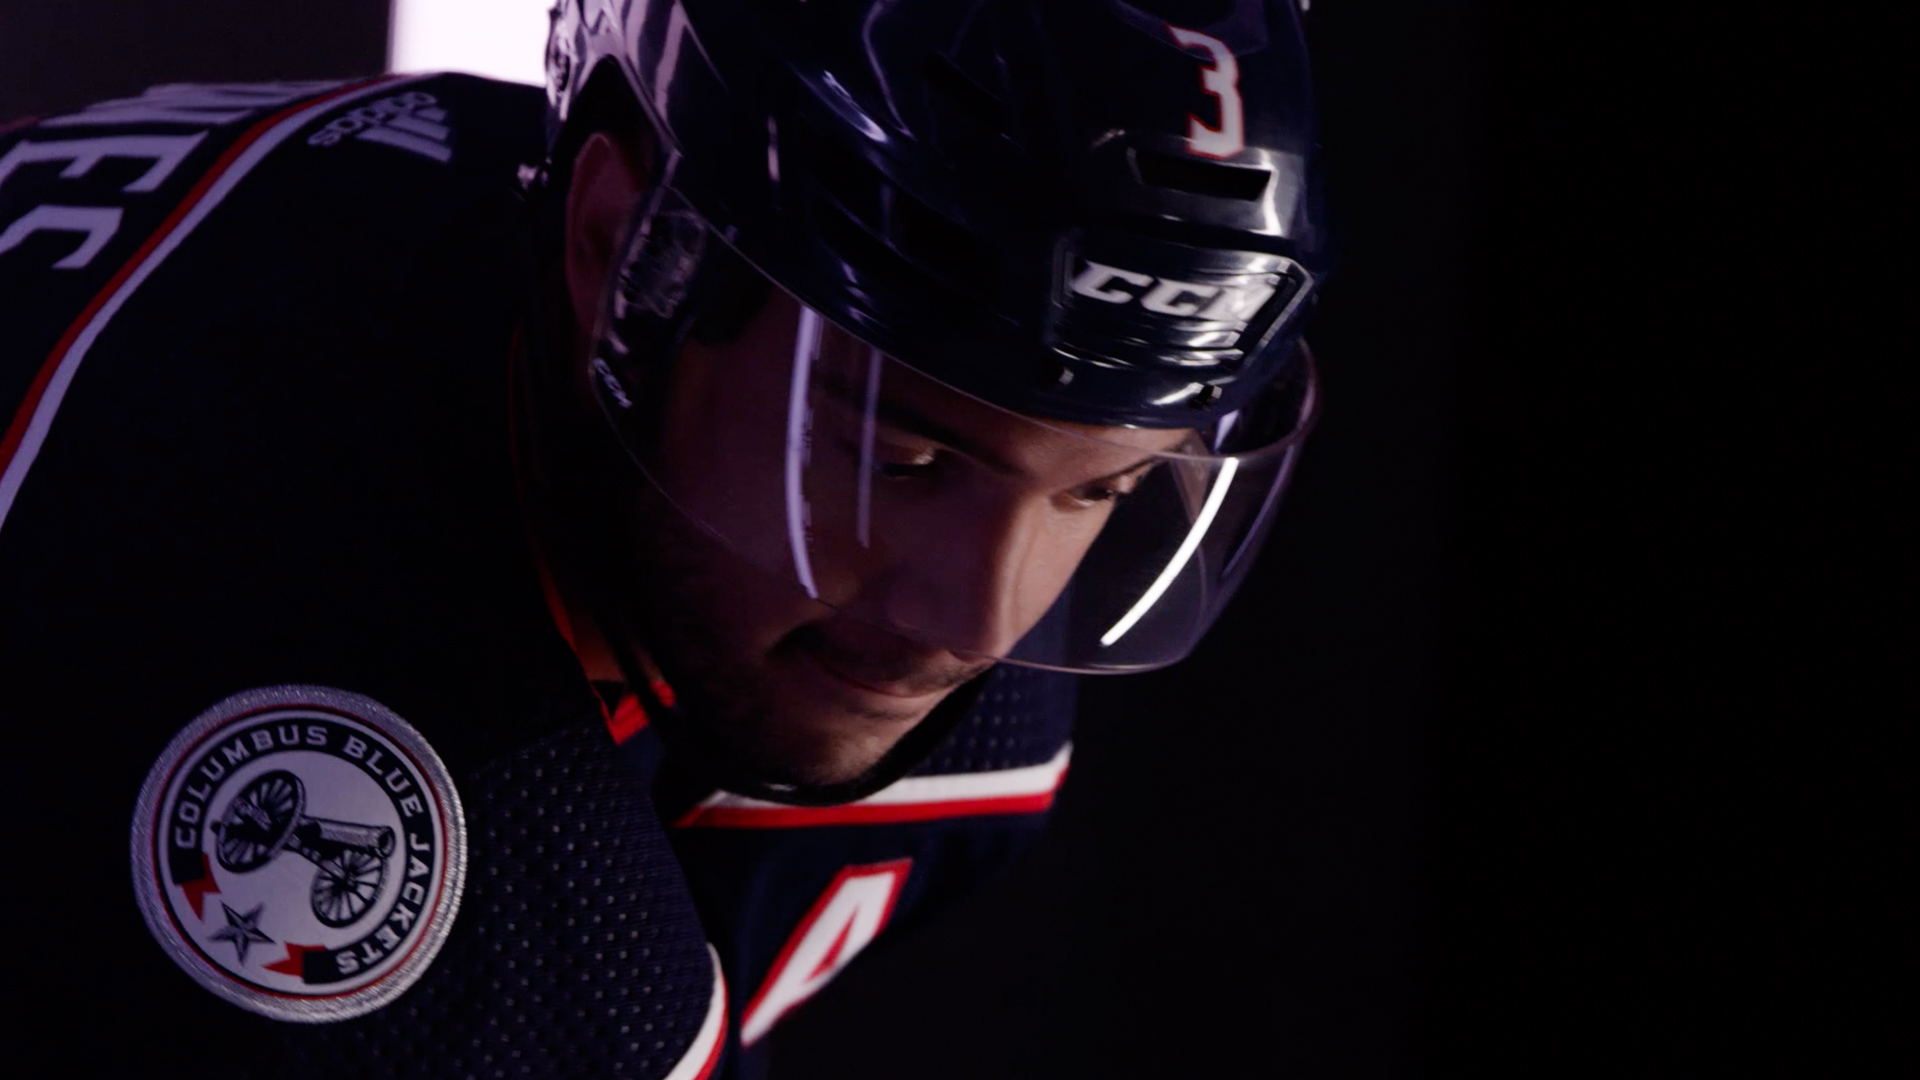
[17, 429]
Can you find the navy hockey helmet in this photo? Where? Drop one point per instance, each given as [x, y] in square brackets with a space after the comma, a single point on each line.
[1028, 276]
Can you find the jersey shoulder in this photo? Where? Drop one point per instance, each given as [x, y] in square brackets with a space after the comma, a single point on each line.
[222, 304]
[105, 196]
[257, 480]
[203, 220]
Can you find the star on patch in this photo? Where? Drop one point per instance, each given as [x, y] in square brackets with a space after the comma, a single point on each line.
[242, 930]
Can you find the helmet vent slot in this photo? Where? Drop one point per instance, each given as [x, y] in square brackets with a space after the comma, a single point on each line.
[879, 228]
[1201, 177]
[959, 89]
[855, 245]
[846, 179]
[940, 245]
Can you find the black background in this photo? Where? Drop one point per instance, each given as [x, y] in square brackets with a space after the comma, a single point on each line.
[1451, 789]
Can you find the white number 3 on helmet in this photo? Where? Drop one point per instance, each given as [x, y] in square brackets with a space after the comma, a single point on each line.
[1221, 79]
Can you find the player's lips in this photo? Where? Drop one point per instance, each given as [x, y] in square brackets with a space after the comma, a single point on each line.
[901, 690]
[893, 690]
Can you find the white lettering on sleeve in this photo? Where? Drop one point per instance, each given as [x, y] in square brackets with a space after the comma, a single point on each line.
[165, 151]
[188, 103]
[98, 222]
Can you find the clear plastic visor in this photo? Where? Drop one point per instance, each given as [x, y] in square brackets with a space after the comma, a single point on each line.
[891, 497]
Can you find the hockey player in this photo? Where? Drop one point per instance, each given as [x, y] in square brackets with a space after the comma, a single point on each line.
[549, 595]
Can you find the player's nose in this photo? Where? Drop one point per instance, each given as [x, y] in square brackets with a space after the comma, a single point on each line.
[979, 583]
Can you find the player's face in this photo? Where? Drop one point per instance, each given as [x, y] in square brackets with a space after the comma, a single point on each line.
[978, 519]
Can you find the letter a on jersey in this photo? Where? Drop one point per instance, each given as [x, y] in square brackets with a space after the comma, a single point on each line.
[846, 918]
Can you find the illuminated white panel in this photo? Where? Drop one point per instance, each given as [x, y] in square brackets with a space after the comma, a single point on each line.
[502, 39]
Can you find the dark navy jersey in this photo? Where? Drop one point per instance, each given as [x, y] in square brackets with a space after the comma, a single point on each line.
[789, 894]
[266, 596]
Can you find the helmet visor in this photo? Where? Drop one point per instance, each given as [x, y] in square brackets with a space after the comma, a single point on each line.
[892, 497]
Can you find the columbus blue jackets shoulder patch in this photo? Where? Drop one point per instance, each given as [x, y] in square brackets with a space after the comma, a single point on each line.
[300, 851]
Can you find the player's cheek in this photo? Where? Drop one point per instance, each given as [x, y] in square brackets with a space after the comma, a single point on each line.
[722, 467]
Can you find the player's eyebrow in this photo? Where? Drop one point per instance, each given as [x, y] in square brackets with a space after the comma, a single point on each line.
[910, 419]
[1141, 466]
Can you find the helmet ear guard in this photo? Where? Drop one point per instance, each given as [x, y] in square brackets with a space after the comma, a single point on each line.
[672, 283]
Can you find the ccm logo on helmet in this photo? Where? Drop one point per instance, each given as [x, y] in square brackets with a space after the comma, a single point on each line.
[1165, 296]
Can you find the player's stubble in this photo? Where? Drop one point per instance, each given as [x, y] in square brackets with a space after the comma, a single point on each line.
[727, 635]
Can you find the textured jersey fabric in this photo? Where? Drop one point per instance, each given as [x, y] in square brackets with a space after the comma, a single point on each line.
[569, 961]
[759, 873]
[254, 348]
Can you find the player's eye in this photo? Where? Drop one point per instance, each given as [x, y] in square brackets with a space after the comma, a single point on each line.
[1110, 490]
[1095, 494]
[891, 461]
[896, 463]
